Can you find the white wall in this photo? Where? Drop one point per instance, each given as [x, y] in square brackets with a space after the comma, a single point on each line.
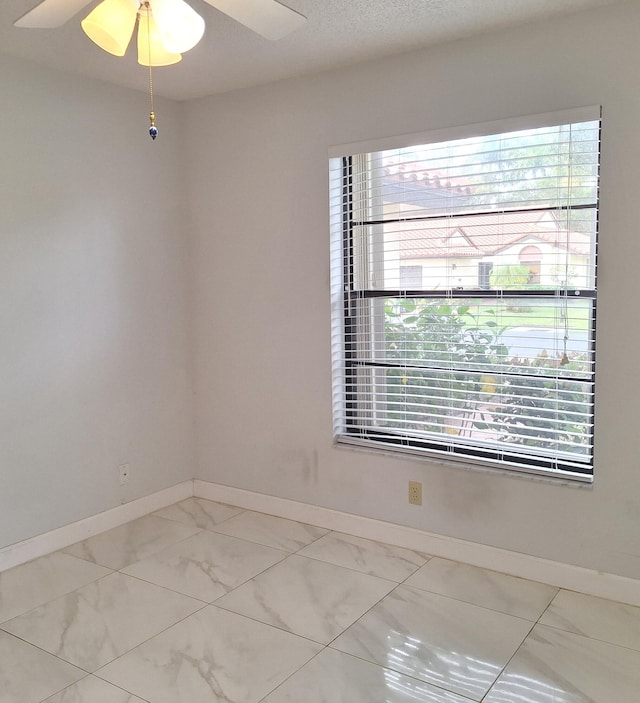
[94, 316]
[258, 165]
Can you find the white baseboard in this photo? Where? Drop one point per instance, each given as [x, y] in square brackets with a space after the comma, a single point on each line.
[62, 537]
[573, 578]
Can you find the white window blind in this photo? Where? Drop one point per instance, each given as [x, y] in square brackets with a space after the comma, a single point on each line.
[464, 278]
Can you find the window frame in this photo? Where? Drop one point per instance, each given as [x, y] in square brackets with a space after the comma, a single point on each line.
[346, 298]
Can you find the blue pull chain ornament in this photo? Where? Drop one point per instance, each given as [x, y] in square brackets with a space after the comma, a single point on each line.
[153, 130]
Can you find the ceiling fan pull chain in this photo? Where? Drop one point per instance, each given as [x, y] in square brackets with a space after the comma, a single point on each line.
[153, 130]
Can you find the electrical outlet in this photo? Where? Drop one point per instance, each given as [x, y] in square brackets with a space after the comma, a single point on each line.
[415, 493]
[124, 472]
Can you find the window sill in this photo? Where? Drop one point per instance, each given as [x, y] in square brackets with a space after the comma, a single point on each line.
[407, 454]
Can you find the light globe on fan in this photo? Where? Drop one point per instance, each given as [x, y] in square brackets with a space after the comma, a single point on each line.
[269, 18]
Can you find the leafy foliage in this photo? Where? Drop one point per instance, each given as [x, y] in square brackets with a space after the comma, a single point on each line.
[537, 166]
[509, 277]
[454, 376]
[546, 411]
[457, 353]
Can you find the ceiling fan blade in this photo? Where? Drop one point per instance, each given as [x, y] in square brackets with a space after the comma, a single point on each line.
[266, 17]
[50, 14]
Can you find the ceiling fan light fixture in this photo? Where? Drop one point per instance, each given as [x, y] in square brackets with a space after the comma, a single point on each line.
[166, 28]
[180, 26]
[151, 48]
[110, 25]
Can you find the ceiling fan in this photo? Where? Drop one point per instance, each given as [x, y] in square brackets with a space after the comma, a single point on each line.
[268, 18]
[166, 28]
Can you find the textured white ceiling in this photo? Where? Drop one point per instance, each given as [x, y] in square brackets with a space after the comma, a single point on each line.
[338, 33]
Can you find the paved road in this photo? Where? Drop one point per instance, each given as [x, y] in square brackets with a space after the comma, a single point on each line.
[528, 342]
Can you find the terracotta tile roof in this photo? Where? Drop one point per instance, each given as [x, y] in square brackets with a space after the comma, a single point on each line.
[427, 178]
[484, 235]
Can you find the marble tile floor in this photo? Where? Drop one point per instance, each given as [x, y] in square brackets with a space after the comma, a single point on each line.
[207, 603]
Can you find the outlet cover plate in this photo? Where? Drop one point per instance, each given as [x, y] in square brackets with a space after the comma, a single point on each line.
[415, 493]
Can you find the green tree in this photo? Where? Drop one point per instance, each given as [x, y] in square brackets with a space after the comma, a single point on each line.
[538, 167]
[509, 277]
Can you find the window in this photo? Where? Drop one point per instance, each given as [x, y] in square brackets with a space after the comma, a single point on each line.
[487, 356]
[484, 274]
[410, 277]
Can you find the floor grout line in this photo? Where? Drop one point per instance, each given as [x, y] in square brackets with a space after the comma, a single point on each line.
[286, 555]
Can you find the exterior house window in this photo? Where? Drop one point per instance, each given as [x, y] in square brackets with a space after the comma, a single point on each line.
[484, 274]
[488, 355]
[410, 277]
